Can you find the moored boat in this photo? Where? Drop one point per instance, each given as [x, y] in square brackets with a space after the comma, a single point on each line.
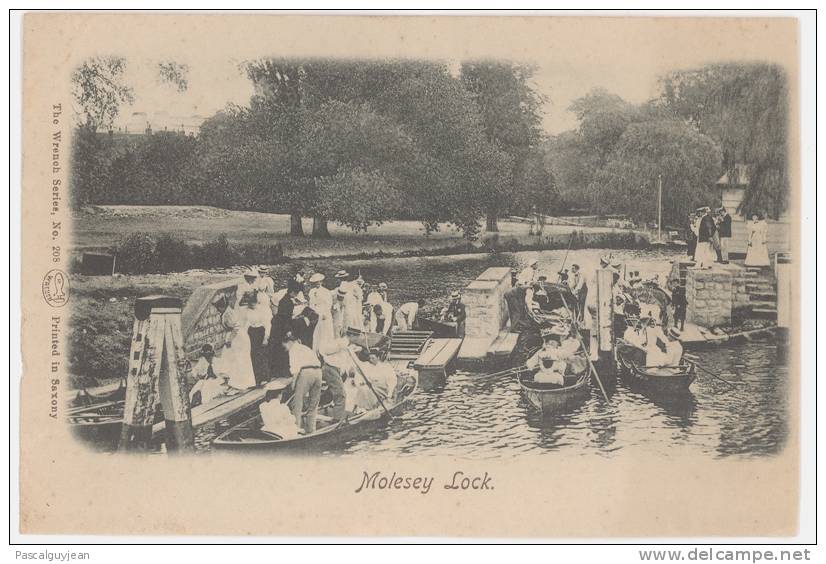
[441, 329]
[250, 435]
[368, 340]
[656, 380]
[551, 399]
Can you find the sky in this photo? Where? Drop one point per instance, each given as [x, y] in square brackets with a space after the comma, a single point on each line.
[560, 83]
[626, 56]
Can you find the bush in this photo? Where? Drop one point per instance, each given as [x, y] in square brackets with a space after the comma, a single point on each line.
[218, 253]
[172, 254]
[136, 254]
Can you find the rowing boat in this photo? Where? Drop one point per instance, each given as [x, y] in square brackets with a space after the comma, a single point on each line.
[551, 399]
[101, 423]
[368, 340]
[250, 436]
[655, 380]
[441, 329]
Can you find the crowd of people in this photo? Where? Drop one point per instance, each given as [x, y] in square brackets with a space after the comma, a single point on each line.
[299, 333]
[709, 238]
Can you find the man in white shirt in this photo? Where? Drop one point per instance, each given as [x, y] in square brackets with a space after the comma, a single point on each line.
[306, 371]
[406, 315]
[337, 367]
[528, 274]
[265, 283]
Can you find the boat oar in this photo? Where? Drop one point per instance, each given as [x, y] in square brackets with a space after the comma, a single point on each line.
[369, 385]
[709, 372]
[508, 372]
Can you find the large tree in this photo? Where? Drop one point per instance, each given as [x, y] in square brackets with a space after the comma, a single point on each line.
[687, 161]
[510, 112]
[745, 108]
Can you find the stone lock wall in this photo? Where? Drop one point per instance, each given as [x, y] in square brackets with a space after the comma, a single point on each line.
[485, 305]
[740, 298]
[709, 295]
[201, 321]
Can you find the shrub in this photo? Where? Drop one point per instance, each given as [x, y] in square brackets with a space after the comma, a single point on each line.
[136, 254]
[171, 254]
[218, 253]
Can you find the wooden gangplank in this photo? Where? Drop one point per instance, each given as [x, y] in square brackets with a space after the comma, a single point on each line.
[438, 355]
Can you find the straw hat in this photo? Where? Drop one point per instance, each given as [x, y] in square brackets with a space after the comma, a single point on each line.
[341, 274]
[455, 294]
[250, 273]
[341, 293]
[382, 286]
[317, 277]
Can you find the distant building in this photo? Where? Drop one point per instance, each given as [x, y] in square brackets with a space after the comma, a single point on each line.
[733, 186]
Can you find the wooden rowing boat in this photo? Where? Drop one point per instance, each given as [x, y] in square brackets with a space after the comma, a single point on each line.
[551, 399]
[660, 380]
[87, 397]
[707, 339]
[441, 329]
[101, 423]
[368, 340]
[249, 435]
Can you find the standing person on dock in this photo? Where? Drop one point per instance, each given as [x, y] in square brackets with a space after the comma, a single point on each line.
[757, 253]
[680, 302]
[306, 371]
[321, 301]
[725, 234]
[259, 329]
[247, 289]
[265, 282]
[339, 312]
[704, 255]
[281, 325]
[691, 235]
[528, 274]
[455, 313]
[406, 315]
[579, 287]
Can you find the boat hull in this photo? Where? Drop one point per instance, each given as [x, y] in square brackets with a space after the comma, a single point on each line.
[652, 383]
[555, 400]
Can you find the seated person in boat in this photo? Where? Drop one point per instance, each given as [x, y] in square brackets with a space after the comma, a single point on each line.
[455, 313]
[660, 350]
[337, 367]
[209, 384]
[382, 379]
[305, 368]
[550, 367]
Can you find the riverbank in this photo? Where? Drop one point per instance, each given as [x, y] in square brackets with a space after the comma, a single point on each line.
[99, 228]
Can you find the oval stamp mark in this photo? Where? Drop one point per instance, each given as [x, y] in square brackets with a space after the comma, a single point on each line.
[56, 288]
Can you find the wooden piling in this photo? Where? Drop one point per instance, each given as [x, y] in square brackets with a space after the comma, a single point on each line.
[157, 377]
[605, 320]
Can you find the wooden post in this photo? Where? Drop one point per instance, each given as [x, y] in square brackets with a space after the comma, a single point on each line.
[783, 276]
[157, 372]
[605, 319]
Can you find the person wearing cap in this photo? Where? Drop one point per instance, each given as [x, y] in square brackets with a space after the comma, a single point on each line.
[455, 313]
[704, 255]
[337, 366]
[305, 368]
[406, 315]
[528, 274]
[321, 301]
[208, 384]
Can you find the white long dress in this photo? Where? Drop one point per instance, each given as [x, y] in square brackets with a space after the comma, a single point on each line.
[321, 300]
[757, 253]
[236, 360]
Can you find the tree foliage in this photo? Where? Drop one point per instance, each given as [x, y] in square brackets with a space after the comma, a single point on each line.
[98, 90]
[745, 108]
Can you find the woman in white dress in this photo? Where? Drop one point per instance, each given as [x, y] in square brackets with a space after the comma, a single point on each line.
[321, 300]
[235, 359]
[757, 253]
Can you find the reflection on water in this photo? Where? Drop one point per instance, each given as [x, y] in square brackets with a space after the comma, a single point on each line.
[488, 418]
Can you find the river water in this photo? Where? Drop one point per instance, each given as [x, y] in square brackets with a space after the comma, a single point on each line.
[479, 418]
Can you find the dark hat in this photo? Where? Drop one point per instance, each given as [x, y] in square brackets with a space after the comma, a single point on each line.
[293, 286]
[207, 349]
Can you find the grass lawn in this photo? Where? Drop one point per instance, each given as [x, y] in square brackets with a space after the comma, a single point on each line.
[98, 228]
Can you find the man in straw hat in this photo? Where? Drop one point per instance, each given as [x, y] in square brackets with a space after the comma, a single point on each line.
[455, 313]
[528, 274]
[339, 312]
